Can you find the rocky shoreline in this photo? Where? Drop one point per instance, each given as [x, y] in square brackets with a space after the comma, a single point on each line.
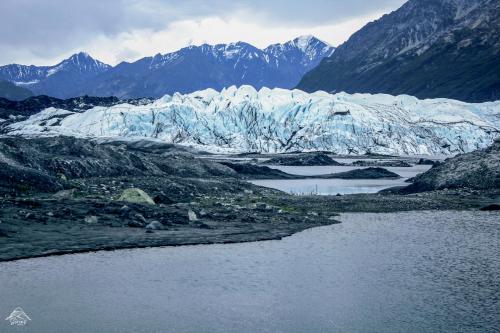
[66, 195]
[42, 226]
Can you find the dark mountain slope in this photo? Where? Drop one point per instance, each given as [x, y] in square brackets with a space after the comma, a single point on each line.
[427, 48]
[10, 91]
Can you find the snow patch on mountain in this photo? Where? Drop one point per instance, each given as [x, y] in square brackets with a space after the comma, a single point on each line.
[278, 120]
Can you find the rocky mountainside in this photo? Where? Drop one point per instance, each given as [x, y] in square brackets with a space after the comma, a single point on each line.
[476, 170]
[62, 80]
[427, 48]
[189, 69]
[46, 164]
[245, 120]
[9, 90]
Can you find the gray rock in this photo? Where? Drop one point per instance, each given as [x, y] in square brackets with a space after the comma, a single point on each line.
[30, 216]
[192, 216]
[261, 205]
[140, 218]
[155, 225]
[92, 219]
[65, 194]
[202, 225]
[135, 224]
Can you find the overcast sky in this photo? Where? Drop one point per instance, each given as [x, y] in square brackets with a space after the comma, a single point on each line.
[43, 32]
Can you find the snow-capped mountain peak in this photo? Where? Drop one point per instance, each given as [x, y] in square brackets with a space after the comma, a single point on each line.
[64, 78]
[189, 69]
[84, 62]
[213, 66]
[303, 42]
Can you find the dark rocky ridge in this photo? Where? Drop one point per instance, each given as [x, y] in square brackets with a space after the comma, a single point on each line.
[375, 163]
[479, 170]
[368, 173]
[303, 159]
[254, 171]
[46, 164]
[35, 104]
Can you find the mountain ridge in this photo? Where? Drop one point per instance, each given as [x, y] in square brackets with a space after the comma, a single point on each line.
[217, 66]
[186, 70]
[426, 48]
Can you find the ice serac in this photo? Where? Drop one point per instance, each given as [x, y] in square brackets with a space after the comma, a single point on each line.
[278, 120]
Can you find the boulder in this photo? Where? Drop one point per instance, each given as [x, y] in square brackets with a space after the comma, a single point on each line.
[65, 194]
[92, 219]
[155, 225]
[192, 216]
[135, 224]
[136, 195]
[140, 218]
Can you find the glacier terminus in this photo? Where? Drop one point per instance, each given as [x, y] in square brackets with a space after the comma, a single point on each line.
[279, 120]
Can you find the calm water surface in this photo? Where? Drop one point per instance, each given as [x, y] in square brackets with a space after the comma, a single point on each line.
[401, 272]
[330, 186]
[334, 186]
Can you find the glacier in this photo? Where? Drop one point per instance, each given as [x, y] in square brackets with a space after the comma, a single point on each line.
[279, 120]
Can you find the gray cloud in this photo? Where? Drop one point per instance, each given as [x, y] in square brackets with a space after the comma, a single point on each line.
[45, 29]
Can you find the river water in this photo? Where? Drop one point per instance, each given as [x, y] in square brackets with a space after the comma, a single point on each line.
[399, 272]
